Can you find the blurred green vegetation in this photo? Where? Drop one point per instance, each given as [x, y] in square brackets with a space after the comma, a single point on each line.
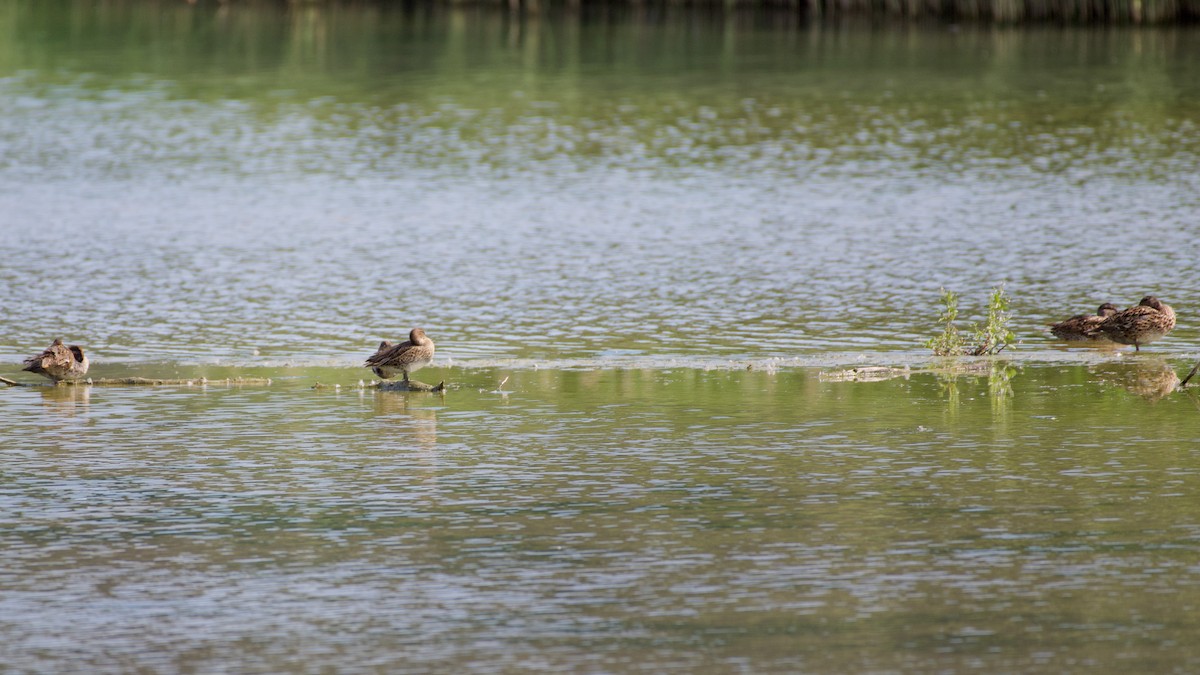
[774, 11]
[665, 83]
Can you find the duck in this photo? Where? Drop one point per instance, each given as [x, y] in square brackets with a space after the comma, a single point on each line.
[404, 358]
[1141, 324]
[59, 362]
[1080, 326]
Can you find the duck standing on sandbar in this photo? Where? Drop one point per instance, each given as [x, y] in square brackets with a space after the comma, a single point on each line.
[59, 362]
[1148, 321]
[406, 357]
[1081, 326]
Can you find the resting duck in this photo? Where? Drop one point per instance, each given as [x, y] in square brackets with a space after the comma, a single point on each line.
[406, 357]
[1081, 326]
[1148, 321]
[59, 362]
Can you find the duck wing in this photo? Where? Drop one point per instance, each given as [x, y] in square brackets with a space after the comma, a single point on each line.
[55, 357]
[386, 353]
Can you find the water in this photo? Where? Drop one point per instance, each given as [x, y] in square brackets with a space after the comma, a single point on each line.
[606, 520]
[548, 190]
[648, 247]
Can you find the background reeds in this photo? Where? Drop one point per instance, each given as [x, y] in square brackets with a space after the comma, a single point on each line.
[997, 11]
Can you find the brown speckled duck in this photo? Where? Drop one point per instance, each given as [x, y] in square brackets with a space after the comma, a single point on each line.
[404, 358]
[1148, 321]
[59, 362]
[1083, 326]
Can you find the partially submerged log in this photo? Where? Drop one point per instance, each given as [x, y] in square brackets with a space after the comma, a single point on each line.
[409, 385]
[240, 381]
[141, 381]
[399, 385]
[865, 374]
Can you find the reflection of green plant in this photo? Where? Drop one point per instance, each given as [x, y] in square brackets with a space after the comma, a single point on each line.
[1000, 380]
[992, 338]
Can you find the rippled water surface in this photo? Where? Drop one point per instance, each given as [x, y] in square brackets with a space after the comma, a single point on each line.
[608, 520]
[648, 245]
[258, 187]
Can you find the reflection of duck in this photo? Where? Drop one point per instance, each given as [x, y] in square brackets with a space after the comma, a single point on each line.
[67, 400]
[1152, 380]
[404, 358]
[1082, 326]
[415, 419]
[59, 362]
[1148, 321]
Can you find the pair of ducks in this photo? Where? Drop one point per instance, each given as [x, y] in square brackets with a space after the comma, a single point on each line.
[1141, 324]
[1146, 322]
[63, 362]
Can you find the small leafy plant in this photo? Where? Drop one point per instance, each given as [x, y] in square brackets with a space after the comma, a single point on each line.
[992, 338]
[950, 341]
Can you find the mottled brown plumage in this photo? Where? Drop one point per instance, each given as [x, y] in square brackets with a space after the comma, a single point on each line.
[59, 362]
[1083, 326]
[404, 358]
[1148, 321]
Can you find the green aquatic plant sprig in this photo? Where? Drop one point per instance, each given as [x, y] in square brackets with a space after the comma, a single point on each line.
[991, 338]
[995, 335]
[950, 341]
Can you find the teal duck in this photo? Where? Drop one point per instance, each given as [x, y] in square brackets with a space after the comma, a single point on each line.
[404, 358]
[1081, 326]
[1148, 321]
[59, 362]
